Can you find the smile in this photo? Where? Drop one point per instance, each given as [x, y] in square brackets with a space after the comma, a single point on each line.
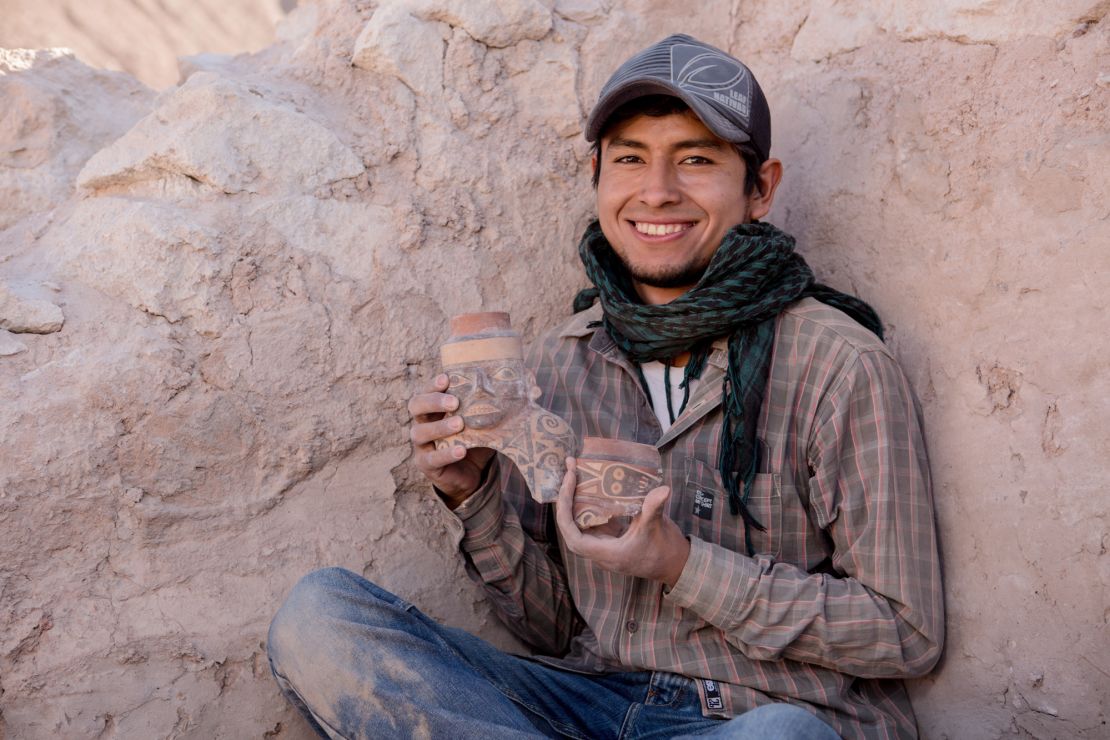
[648, 229]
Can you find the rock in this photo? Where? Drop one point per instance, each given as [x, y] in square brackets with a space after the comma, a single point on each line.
[547, 82]
[165, 261]
[206, 132]
[836, 28]
[496, 23]
[581, 11]
[829, 30]
[352, 236]
[397, 43]
[52, 121]
[217, 64]
[9, 345]
[20, 316]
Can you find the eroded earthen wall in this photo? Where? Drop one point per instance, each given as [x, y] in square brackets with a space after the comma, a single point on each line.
[215, 301]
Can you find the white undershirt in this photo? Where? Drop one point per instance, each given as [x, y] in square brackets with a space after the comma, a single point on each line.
[654, 373]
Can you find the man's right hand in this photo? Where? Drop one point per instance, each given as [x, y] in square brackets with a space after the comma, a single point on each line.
[455, 472]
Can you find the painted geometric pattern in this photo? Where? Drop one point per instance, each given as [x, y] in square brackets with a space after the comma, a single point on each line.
[608, 489]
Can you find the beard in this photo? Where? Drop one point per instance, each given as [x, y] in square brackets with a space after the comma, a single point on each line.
[678, 276]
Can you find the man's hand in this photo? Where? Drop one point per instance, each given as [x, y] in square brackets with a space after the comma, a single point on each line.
[653, 547]
[455, 472]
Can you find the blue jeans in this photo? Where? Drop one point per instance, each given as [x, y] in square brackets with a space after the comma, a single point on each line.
[359, 662]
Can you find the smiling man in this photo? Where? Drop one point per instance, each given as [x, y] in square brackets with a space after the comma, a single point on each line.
[786, 577]
[668, 194]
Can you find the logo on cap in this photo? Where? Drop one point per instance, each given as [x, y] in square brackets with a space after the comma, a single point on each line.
[713, 76]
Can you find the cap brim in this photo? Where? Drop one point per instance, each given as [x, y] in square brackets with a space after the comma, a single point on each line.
[634, 89]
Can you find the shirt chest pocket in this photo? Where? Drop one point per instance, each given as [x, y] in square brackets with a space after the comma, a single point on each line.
[707, 514]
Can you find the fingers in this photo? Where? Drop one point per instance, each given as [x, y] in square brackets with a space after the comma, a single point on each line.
[655, 503]
[433, 460]
[566, 490]
[425, 433]
[434, 401]
[564, 507]
[623, 553]
[430, 425]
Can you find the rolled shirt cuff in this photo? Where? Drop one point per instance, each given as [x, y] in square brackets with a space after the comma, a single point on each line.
[715, 582]
[481, 513]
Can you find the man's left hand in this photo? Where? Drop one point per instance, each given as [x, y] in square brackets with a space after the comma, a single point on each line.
[653, 547]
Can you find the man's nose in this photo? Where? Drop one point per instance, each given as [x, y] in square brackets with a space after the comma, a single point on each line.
[659, 186]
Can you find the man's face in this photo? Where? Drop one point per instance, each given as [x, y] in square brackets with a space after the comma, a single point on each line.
[488, 392]
[669, 191]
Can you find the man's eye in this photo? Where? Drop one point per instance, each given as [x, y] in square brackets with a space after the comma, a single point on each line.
[506, 374]
[697, 160]
[628, 159]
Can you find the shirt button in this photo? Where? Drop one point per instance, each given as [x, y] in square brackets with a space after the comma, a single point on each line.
[631, 625]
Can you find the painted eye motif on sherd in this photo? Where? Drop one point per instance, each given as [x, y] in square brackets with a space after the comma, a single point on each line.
[506, 375]
[459, 385]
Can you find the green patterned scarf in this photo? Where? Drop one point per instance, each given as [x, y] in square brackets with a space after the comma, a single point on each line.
[752, 277]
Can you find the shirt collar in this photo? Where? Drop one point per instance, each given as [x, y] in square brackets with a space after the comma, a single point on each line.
[579, 326]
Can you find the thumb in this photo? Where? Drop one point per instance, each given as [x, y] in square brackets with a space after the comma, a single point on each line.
[655, 503]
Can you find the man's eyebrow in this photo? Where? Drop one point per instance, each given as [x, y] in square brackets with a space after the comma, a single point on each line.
[699, 144]
[626, 143]
[713, 144]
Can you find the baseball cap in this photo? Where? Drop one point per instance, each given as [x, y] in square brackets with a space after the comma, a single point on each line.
[720, 90]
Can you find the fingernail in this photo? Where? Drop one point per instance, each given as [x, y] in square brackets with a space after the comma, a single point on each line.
[456, 423]
[459, 452]
[441, 379]
[451, 403]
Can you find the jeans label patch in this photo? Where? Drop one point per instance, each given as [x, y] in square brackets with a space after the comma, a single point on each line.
[703, 504]
[713, 698]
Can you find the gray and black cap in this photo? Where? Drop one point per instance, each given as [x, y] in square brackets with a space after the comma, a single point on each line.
[720, 90]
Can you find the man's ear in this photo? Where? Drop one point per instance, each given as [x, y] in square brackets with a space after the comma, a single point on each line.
[761, 198]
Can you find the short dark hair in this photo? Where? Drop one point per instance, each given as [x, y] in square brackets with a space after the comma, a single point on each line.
[658, 106]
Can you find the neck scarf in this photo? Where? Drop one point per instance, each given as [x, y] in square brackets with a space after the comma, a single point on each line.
[751, 278]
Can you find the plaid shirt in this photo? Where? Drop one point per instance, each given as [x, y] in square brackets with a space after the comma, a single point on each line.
[843, 597]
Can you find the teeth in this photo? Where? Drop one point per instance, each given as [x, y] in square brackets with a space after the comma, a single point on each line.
[660, 229]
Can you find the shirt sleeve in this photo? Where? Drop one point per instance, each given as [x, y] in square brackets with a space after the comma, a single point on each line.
[879, 613]
[519, 567]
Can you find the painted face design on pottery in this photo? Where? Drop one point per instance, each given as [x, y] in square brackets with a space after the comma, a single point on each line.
[489, 392]
[484, 362]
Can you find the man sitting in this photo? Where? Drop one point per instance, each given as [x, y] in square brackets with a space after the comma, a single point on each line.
[783, 580]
